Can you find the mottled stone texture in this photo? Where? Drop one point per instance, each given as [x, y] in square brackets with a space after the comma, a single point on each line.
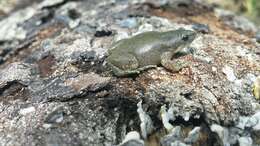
[55, 87]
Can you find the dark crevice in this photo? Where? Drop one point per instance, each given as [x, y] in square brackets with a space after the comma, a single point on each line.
[74, 14]
[85, 94]
[103, 33]
[48, 17]
[9, 85]
[212, 138]
[127, 110]
[192, 121]
[5, 51]
[12, 91]
[8, 53]
[187, 95]
[183, 5]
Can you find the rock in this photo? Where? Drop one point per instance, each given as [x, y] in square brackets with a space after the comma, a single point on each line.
[132, 143]
[172, 137]
[237, 22]
[64, 52]
[201, 28]
[199, 54]
[229, 73]
[87, 56]
[17, 71]
[132, 138]
[131, 135]
[6, 6]
[178, 143]
[56, 116]
[240, 133]
[27, 110]
[10, 29]
[222, 132]
[51, 89]
[178, 99]
[180, 3]
[245, 141]
[158, 3]
[128, 23]
[68, 21]
[254, 121]
[88, 82]
[56, 89]
[49, 3]
[193, 135]
[68, 14]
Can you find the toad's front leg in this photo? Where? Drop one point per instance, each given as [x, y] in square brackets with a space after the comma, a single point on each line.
[172, 65]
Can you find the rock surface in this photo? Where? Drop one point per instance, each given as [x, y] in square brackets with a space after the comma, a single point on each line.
[55, 87]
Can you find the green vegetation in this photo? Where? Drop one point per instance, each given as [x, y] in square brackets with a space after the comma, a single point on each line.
[253, 8]
[249, 8]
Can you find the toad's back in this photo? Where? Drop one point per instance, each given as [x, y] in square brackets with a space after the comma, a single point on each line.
[146, 47]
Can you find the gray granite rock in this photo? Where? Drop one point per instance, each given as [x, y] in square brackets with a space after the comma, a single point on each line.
[56, 89]
[237, 22]
[10, 29]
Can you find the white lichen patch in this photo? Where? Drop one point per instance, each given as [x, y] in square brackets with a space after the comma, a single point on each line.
[27, 110]
[146, 122]
[134, 137]
[47, 3]
[166, 117]
[229, 72]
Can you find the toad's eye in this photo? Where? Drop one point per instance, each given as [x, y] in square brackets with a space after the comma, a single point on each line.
[185, 38]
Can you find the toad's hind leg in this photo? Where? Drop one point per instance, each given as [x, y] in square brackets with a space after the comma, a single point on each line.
[147, 67]
[172, 65]
[121, 73]
[123, 65]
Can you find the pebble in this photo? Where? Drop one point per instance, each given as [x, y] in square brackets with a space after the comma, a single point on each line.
[128, 23]
[229, 72]
[203, 28]
[27, 110]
